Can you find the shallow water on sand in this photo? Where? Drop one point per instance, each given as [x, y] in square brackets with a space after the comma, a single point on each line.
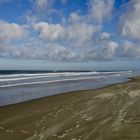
[15, 88]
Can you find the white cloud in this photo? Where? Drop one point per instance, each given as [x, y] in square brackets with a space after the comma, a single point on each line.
[50, 32]
[130, 21]
[81, 32]
[74, 17]
[44, 4]
[76, 38]
[76, 32]
[75, 35]
[68, 41]
[105, 35]
[129, 50]
[100, 9]
[109, 50]
[11, 31]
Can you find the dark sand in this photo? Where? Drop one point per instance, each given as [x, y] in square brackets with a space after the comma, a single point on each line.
[111, 113]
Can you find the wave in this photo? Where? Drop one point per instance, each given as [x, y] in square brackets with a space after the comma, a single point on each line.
[15, 77]
[36, 76]
[60, 80]
[47, 82]
[50, 74]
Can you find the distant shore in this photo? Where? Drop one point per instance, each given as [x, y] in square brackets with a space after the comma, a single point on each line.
[110, 113]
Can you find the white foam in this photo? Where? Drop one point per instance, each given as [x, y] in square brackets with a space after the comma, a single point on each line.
[19, 77]
[60, 80]
[58, 73]
[117, 72]
[25, 78]
[34, 76]
[47, 82]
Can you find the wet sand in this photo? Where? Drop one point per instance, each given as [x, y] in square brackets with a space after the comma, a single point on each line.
[110, 113]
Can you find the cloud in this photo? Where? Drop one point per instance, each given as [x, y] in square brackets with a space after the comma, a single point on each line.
[76, 37]
[76, 32]
[50, 32]
[129, 50]
[130, 20]
[109, 49]
[11, 31]
[105, 35]
[100, 10]
[76, 28]
[44, 4]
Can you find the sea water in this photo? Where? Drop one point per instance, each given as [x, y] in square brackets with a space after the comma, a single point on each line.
[20, 86]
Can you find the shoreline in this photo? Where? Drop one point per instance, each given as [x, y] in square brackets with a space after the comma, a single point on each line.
[110, 112]
[128, 79]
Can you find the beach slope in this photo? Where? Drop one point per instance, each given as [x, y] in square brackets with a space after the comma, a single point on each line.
[110, 113]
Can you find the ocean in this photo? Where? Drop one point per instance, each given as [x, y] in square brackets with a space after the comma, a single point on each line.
[20, 86]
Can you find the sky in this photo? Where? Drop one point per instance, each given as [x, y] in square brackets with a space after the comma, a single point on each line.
[70, 34]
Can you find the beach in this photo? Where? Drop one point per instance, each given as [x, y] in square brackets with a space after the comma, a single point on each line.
[109, 113]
